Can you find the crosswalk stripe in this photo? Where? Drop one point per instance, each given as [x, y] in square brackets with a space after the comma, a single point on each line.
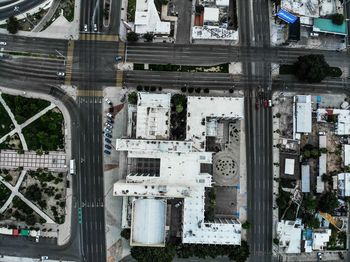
[90, 93]
[69, 63]
[99, 37]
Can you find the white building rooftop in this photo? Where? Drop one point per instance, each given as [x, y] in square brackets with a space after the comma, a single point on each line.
[302, 7]
[289, 235]
[148, 220]
[302, 114]
[305, 178]
[222, 2]
[289, 166]
[153, 145]
[147, 19]
[346, 155]
[200, 109]
[320, 239]
[211, 14]
[213, 33]
[344, 184]
[153, 111]
[180, 177]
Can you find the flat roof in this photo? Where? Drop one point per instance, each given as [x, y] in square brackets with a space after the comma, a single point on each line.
[289, 235]
[153, 111]
[222, 2]
[214, 33]
[344, 184]
[302, 7]
[289, 166]
[346, 155]
[305, 178]
[303, 114]
[211, 14]
[148, 222]
[147, 19]
[343, 119]
[325, 25]
[153, 145]
[200, 108]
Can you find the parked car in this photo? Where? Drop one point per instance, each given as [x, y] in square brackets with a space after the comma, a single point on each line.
[108, 125]
[107, 130]
[266, 103]
[109, 115]
[85, 28]
[3, 43]
[44, 257]
[319, 255]
[341, 255]
[108, 101]
[108, 147]
[95, 27]
[118, 58]
[108, 140]
[108, 135]
[110, 120]
[107, 152]
[178, 204]
[61, 74]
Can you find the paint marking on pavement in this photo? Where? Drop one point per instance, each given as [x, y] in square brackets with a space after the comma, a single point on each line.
[99, 37]
[90, 93]
[69, 63]
[119, 79]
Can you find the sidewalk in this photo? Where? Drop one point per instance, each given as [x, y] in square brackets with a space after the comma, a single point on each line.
[64, 229]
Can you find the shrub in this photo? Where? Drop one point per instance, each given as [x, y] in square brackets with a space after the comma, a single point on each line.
[132, 98]
[132, 37]
[337, 19]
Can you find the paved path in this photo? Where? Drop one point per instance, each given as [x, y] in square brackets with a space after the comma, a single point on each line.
[47, 16]
[31, 160]
[15, 192]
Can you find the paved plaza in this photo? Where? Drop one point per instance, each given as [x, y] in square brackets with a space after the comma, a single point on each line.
[53, 161]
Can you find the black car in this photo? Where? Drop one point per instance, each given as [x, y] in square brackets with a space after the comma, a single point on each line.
[108, 140]
[108, 135]
[107, 152]
[108, 147]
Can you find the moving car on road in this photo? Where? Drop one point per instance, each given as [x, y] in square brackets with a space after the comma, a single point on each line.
[85, 28]
[95, 27]
[3, 43]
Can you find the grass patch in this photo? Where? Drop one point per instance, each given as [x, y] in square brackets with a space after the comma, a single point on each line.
[5, 122]
[4, 194]
[131, 10]
[222, 68]
[12, 143]
[24, 108]
[45, 133]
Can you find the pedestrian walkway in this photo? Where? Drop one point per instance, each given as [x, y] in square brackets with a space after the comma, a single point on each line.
[92, 93]
[55, 161]
[69, 63]
[99, 37]
[15, 192]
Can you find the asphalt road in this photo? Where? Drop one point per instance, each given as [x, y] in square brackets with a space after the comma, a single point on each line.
[23, 7]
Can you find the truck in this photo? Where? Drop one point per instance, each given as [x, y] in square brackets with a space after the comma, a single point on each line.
[72, 166]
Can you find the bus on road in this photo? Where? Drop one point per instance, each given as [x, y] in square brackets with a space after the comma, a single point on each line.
[72, 166]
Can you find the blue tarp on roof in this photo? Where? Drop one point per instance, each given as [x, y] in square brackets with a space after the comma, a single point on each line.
[285, 16]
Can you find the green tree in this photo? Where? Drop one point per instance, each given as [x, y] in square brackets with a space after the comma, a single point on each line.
[337, 19]
[132, 98]
[30, 219]
[246, 225]
[311, 68]
[148, 37]
[125, 233]
[310, 203]
[323, 150]
[276, 241]
[132, 36]
[12, 25]
[307, 154]
[328, 202]
[8, 178]
[278, 115]
[159, 254]
[240, 253]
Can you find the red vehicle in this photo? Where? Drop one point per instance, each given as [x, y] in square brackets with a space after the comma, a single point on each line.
[257, 105]
[266, 103]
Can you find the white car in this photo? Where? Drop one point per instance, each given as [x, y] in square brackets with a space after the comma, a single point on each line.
[108, 101]
[109, 115]
[44, 257]
[3, 43]
[95, 27]
[108, 125]
[107, 130]
[85, 28]
[61, 74]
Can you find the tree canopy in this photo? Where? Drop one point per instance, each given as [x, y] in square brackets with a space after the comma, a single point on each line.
[159, 254]
[328, 202]
[132, 36]
[12, 25]
[311, 68]
[337, 19]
